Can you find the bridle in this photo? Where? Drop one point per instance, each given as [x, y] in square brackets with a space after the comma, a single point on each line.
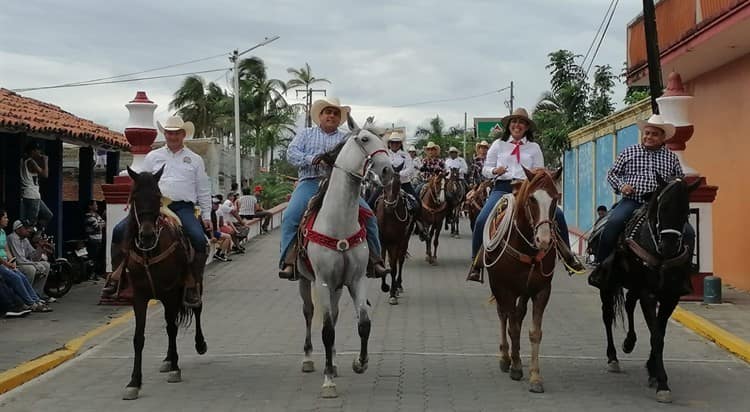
[655, 232]
[138, 238]
[359, 177]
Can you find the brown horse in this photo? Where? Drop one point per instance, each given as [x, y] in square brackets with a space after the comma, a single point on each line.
[455, 193]
[434, 210]
[519, 254]
[475, 200]
[155, 256]
[395, 224]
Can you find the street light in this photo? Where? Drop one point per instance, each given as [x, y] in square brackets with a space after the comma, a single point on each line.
[235, 58]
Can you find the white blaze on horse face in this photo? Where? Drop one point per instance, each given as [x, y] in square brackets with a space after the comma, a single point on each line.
[543, 232]
[441, 195]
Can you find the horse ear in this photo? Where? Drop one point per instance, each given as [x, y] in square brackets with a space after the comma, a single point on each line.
[557, 175]
[133, 174]
[529, 173]
[158, 174]
[694, 185]
[351, 123]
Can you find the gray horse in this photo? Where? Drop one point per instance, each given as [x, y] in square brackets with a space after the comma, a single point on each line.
[344, 260]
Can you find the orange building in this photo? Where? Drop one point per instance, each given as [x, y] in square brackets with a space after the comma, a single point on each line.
[708, 43]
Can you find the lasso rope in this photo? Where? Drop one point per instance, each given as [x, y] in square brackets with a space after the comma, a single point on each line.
[503, 229]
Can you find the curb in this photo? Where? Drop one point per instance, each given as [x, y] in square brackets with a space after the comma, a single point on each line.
[15, 377]
[710, 331]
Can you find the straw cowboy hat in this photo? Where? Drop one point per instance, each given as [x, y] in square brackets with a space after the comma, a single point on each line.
[175, 123]
[411, 148]
[321, 104]
[482, 143]
[432, 145]
[519, 113]
[658, 122]
[396, 136]
[452, 149]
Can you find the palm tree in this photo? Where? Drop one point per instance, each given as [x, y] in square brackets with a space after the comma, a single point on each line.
[204, 105]
[303, 78]
[436, 132]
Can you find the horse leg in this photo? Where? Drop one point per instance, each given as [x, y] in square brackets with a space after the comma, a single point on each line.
[200, 340]
[504, 356]
[539, 302]
[335, 298]
[393, 263]
[170, 316]
[656, 358]
[435, 243]
[516, 319]
[401, 260]
[630, 300]
[428, 243]
[385, 255]
[325, 296]
[307, 310]
[358, 293]
[608, 317]
[140, 305]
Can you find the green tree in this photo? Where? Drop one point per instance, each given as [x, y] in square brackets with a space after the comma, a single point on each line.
[435, 131]
[303, 78]
[207, 106]
[600, 103]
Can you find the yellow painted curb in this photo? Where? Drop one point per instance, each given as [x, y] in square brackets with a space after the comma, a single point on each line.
[710, 331]
[13, 378]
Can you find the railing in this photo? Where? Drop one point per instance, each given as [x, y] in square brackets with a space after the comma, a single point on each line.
[578, 241]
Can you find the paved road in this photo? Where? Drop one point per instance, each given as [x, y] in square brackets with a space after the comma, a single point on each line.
[435, 351]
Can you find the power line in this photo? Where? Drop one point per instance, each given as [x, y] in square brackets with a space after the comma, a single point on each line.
[602, 38]
[598, 31]
[62, 86]
[453, 99]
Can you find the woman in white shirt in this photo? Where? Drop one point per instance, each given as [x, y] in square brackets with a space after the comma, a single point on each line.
[505, 162]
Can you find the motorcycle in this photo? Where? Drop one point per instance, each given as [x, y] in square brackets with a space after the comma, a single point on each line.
[60, 278]
[81, 263]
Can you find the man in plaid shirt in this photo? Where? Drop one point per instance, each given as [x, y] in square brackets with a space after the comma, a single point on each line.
[633, 175]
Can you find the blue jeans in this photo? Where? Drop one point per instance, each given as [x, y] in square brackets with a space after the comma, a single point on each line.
[616, 221]
[192, 227]
[34, 210]
[501, 188]
[9, 301]
[296, 208]
[19, 284]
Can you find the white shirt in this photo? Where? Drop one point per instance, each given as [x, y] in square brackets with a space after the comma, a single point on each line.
[500, 154]
[400, 158]
[247, 205]
[29, 181]
[225, 210]
[417, 162]
[184, 177]
[457, 163]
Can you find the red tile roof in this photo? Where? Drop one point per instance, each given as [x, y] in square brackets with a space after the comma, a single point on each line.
[23, 114]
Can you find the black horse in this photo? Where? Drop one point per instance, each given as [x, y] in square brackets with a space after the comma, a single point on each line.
[653, 263]
[155, 258]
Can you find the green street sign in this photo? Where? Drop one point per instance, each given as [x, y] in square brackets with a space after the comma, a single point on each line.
[483, 126]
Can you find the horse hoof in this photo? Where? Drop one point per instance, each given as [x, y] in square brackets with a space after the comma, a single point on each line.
[328, 391]
[335, 371]
[385, 288]
[359, 367]
[201, 348]
[536, 387]
[664, 396]
[516, 374]
[400, 290]
[174, 376]
[308, 366]
[166, 366]
[629, 344]
[393, 300]
[130, 393]
[613, 367]
[652, 382]
[504, 365]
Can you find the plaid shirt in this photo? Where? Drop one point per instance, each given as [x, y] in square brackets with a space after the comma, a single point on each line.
[637, 166]
[431, 166]
[307, 144]
[475, 176]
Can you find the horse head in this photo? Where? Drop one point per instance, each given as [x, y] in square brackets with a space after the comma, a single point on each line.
[364, 151]
[436, 185]
[537, 203]
[145, 203]
[668, 210]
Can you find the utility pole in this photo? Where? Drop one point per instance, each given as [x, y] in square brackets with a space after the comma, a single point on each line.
[465, 134]
[511, 97]
[308, 102]
[652, 53]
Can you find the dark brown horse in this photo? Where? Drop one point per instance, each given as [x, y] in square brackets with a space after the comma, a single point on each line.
[475, 200]
[455, 194]
[395, 224]
[434, 210]
[519, 254]
[156, 256]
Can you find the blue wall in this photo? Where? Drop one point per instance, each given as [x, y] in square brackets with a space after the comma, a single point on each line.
[605, 147]
[627, 137]
[570, 180]
[586, 207]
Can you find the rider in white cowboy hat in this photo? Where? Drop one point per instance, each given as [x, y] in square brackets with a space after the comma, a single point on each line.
[416, 162]
[455, 162]
[305, 152]
[633, 175]
[475, 175]
[185, 183]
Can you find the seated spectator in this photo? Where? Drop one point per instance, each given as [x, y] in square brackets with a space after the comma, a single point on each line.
[94, 228]
[33, 166]
[250, 208]
[15, 280]
[601, 211]
[11, 306]
[224, 240]
[28, 258]
[231, 223]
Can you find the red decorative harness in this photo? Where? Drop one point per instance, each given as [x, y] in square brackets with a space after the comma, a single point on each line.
[340, 245]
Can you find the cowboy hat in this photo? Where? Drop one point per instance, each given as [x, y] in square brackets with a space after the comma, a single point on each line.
[519, 113]
[411, 148]
[175, 123]
[396, 136]
[432, 145]
[658, 122]
[321, 104]
[482, 143]
[452, 149]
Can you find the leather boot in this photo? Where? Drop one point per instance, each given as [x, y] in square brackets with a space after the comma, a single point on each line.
[572, 264]
[193, 284]
[376, 267]
[476, 273]
[288, 271]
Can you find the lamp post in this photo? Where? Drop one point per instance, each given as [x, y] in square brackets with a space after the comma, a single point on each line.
[235, 58]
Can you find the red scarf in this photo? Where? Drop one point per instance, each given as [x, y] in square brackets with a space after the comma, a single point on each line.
[517, 150]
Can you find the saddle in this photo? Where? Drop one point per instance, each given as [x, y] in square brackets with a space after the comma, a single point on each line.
[411, 201]
[631, 226]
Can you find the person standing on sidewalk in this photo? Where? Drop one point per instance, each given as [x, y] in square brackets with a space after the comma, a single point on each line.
[305, 152]
[33, 166]
[185, 183]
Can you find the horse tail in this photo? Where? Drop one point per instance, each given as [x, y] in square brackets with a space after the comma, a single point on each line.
[618, 301]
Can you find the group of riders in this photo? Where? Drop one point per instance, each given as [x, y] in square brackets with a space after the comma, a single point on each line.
[502, 163]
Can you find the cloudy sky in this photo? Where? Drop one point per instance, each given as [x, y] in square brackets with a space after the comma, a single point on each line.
[378, 54]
